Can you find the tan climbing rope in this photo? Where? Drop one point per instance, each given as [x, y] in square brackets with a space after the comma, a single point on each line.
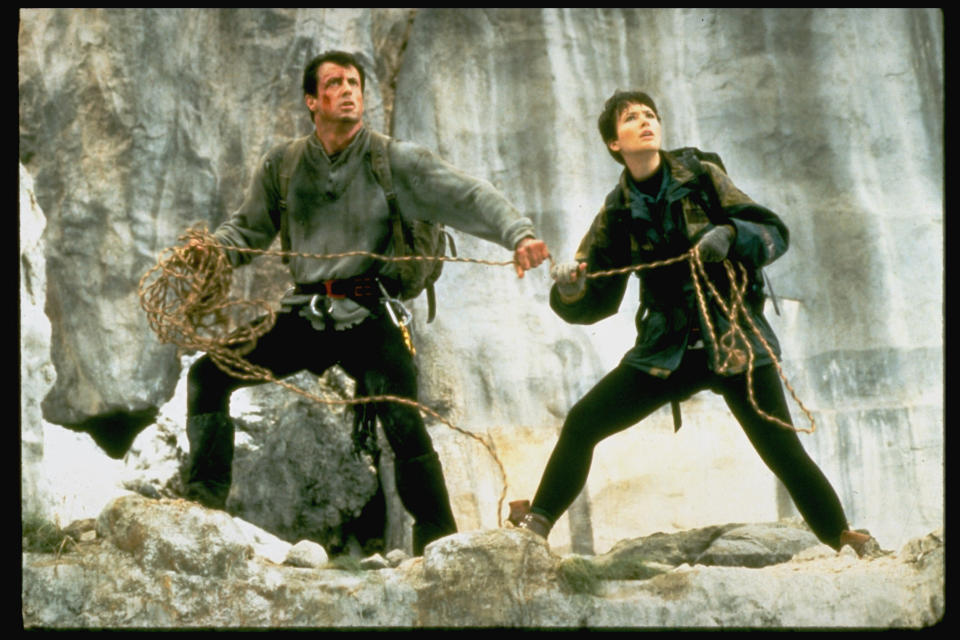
[734, 357]
[186, 300]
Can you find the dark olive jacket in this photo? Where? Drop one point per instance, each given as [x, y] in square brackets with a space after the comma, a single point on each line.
[699, 196]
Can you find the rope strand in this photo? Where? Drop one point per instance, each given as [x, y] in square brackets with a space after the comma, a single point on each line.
[367, 254]
[185, 297]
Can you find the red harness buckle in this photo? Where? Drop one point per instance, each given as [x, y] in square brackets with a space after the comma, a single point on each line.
[328, 288]
[353, 288]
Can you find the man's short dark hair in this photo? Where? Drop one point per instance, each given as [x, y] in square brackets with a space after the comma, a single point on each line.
[341, 58]
[613, 109]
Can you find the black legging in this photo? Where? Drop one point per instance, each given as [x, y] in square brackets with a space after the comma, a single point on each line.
[626, 395]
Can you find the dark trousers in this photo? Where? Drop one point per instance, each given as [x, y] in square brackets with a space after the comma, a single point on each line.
[374, 354]
[626, 395]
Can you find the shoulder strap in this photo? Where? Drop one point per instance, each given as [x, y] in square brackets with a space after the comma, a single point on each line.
[707, 196]
[692, 157]
[380, 163]
[291, 158]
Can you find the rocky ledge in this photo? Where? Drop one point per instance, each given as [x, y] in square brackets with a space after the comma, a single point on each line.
[174, 564]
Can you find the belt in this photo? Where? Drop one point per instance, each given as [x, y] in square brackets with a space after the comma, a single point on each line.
[361, 287]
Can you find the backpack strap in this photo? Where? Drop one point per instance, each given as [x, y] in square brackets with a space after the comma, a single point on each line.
[380, 163]
[691, 157]
[291, 158]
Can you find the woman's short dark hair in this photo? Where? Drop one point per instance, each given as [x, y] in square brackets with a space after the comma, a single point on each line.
[613, 109]
[341, 58]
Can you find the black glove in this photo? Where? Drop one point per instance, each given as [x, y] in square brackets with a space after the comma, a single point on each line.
[715, 244]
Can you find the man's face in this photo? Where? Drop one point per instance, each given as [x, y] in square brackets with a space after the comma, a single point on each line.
[339, 98]
[638, 130]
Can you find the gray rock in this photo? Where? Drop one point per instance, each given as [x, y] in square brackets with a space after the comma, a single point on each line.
[306, 554]
[37, 374]
[396, 557]
[757, 545]
[485, 575]
[176, 535]
[81, 528]
[374, 562]
[666, 548]
[264, 544]
[295, 473]
[496, 578]
[820, 552]
[918, 547]
[754, 545]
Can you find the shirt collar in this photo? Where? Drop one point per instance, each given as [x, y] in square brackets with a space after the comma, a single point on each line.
[357, 146]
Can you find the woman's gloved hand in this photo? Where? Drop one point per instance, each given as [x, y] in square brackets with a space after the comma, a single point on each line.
[570, 277]
[715, 244]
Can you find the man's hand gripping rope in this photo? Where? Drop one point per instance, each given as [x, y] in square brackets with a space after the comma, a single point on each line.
[185, 297]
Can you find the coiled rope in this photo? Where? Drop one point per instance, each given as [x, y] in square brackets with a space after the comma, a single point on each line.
[734, 357]
[185, 296]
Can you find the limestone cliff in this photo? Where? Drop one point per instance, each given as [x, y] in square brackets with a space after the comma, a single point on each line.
[136, 123]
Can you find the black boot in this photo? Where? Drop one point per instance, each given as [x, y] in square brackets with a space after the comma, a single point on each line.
[522, 517]
[208, 474]
[424, 495]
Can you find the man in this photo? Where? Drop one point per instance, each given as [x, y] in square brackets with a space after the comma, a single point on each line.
[334, 204]
[666, 203]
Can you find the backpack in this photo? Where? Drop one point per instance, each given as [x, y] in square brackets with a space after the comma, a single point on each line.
[408, 238]
[693, 158]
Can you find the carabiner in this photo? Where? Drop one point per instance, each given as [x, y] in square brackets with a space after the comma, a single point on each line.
[389, 302]
[313, 306]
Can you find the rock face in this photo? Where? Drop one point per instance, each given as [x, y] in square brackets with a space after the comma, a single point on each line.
[174, 564]
[36, 372]
[296, 473]
[135, 526]
[136, 123]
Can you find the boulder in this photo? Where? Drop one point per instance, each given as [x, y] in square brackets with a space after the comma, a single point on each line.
[486, 575]
[182, 536]
[757, 545]
[171, 564]
[306, 554]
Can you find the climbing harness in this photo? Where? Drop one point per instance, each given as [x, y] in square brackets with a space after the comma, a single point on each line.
[185, 297]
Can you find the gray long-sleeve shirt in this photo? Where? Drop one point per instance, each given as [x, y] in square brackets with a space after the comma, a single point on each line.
[338, 206]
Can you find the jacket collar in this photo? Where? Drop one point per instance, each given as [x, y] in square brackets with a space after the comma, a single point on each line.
[680, 175]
